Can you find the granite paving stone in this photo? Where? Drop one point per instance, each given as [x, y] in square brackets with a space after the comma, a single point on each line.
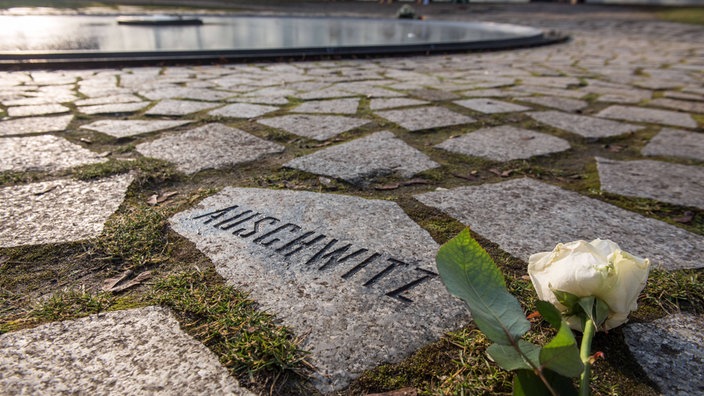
[362, 160]
[58, 211]
[334, 106]
[242, 110]
[137, 351]
[176, 92]
[671, 352]
[126, 128]
[490, 106]
[419, 118]
[110, 99]
[564, 104]
[586, 126]
[318, 127]
[383, 103]
[114, 108]
[505, 143]
[526, 216]
[663, 181]
[354, 275]
[679, 105]
[209, 146]
[639, 114]
[172, 107]
[676, 143]
[24, 126]
[32, 110]
[433, 95]
[43, 153]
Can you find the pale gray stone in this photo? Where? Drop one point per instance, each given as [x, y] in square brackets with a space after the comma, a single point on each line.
[45, 109]
[356, 276]
[589, 127]
[363, 159]
[676, 143]
[671, 352]
[318, 127]
[505, 143]
[114, 108]
[419, 118]
[172, 107]
[210, 146]
[433, 94]
[525, 216]
[23, 126]
[663, 181]
[126, 128]
[640, 114]
[43, 153]
[242, 110]
[133, 352]
[556, 102]
[680, 105]
[380, 104]
[173, 92]
[335, 106]
[490, 106]
[58, 211]
[111, 99]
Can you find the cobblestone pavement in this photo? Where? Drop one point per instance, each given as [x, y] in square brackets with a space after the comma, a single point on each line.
[602, 136]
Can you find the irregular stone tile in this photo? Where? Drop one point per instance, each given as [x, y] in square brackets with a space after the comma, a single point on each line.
[546, 91]
[314, 127]
[671, 352]
[525, 216]
[380, 104]
[490, 106]
[58, 211]
[493, 93]
[23, 126]
[419, 118]
[43, 153]
[683, 95]
[335, 106]
[363, 159]
[111, 99]
[37, 100]
[662, 181]
[676, 143]
[138, 351]
[186, 93]
[242, 110]
[505, 143]
[564, 104]
[210, 146]
[171, 107]
[681, 105]
[355, 276]
[433, 95]
[23, 111]
[641, 114]
[125, 128]
[114, 108]
[328, 93]
[589, 127]
[270, 100]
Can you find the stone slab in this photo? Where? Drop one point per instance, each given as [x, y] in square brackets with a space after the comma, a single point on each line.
[43, 153]
[133, 352]
[242, 110]
[680, 105]
[505, 143]
[173, 92]
[384, 103]
[663, 181]
[525, 216]
[172, 107]
[318, 127]
[44, 109]
[589, 127]
[671, 352]
[355, 276]
[58, 211]
[207, 147]
[362, 160]
[126, 128]
[676, 143]
[640, 114]
[23, 126]
[335, 106]
[111, 99]
[114, 108]
[556, 102]
[420, 118]
[490, 106]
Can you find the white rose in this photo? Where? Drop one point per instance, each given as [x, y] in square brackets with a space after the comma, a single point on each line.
[598, 268]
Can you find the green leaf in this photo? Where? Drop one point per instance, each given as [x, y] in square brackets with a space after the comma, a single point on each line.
[510, 359]
[527, 383]
[470, 274]
[602, 312]
[569, 300]
[551, 314]
[561, 354]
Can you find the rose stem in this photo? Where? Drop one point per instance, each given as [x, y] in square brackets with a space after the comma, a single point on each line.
[584, 353]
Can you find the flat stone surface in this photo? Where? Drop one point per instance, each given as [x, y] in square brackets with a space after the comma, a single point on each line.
[671, 352]
[43, 153]
[356, 276]
[114, 108]
[243, 110]
[58, 211]
[490, 106]
[676, 143]
[433, 94]
[505, 143]
[363, 159]
[419, 118]
[23, 126]
[43, 109]
[640, 114]
[126, 128]
[138, 351]
[384, 103]
[680, 105]
[335, 106]
[663, 181]
[111, 99]
[210, 146]
[589, 127]
[556, 102]
[186, 93]
[172, 107]
[525, 216]
[318, 127]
